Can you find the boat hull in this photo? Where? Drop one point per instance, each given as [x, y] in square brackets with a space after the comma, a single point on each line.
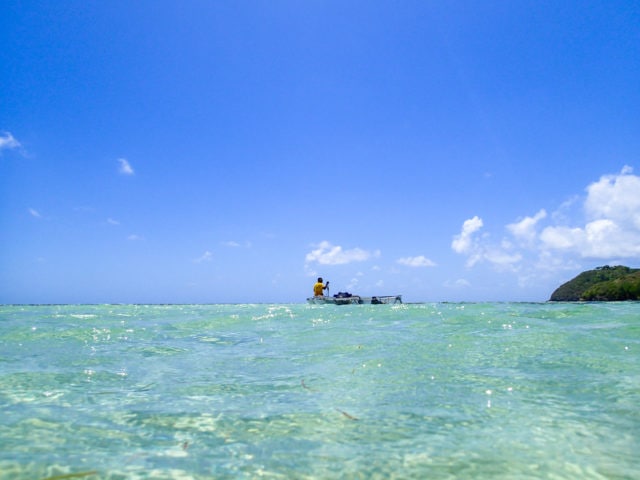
[355, 300]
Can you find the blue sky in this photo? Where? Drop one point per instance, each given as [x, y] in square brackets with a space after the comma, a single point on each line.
[200, 151]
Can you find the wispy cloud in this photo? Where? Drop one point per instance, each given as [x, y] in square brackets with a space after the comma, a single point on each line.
[353, 283]
[419, 261]
[325, 253]
[34, 213]
[459, 283]
[234, 244]
[8, 142]
[205, 257]
[608, 230]
[125, 167]
[134, 237]
[111, 221]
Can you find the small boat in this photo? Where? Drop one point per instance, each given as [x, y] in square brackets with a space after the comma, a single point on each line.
[348, 299]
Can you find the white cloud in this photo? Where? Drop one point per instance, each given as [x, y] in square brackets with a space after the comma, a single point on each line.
[605, 239]
[617, 198]
[125, 167]
[328, 254]
[419, 261]
[8, 142]
[34, 213]
[502, 257]
[525, 229]
[352, 284]
[462, 243]
[111, 221]
[234, 244]
[459, 283]
[205, 257]
[607, 228]
[231, 244]
[612, 229]
[134, 238]
[548, 262]
[602, 239]
[561, 238]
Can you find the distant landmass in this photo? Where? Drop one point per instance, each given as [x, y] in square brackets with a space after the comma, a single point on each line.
[604, 284]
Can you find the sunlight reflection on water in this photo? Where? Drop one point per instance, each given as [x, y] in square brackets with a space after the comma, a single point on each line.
[429, 390]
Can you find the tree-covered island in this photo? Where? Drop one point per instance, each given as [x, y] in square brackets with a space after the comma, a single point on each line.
[604, 284]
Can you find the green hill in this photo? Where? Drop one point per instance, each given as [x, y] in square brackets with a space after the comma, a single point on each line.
[602, 284]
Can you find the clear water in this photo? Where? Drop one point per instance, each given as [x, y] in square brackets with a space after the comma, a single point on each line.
[488, 390]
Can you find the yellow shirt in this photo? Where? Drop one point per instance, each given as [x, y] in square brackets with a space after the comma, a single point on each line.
[318, 288]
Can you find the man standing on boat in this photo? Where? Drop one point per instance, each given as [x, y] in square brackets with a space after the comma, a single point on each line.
[318, 288]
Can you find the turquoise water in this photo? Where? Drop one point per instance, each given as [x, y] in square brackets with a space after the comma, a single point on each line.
[487, 390]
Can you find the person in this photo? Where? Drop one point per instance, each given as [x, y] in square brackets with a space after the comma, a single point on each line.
[319, 288]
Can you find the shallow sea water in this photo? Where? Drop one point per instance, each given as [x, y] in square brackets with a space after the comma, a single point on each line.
[438, 391]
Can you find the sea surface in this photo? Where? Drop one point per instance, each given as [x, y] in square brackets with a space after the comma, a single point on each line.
[424, 391]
